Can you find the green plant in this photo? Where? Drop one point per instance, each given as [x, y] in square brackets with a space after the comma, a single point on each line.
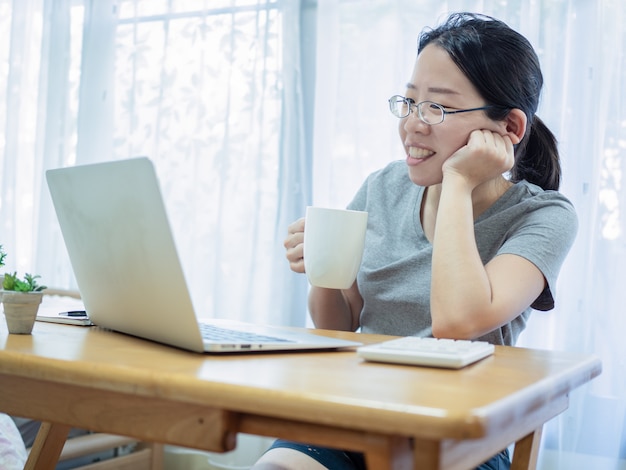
[2, 256]
[12, 283]
[29, 284]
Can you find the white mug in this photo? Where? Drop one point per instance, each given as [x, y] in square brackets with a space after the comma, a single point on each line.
[333, 246]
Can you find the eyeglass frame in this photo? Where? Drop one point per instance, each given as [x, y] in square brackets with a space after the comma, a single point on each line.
[418, 106]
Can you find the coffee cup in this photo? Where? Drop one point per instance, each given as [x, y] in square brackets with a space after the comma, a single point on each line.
[333, 246]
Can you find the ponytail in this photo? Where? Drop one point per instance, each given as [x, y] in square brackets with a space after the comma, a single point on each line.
[537, 158]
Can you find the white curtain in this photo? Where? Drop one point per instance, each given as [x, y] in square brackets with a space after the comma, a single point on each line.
[209, 90]
[212, 91]
[365, 53]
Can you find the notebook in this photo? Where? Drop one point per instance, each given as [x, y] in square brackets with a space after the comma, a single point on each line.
[115, 227]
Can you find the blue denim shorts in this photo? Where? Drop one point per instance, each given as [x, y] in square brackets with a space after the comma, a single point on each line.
[335, 459]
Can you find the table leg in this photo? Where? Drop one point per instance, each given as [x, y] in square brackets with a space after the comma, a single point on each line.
[47, 447]
[392, 453]
[527, 451]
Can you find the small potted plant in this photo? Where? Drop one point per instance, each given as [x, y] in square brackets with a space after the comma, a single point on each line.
[20, 300]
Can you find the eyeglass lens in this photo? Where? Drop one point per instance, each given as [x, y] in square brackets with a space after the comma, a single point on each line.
[427, 111]
[399, 106]
[430, 113]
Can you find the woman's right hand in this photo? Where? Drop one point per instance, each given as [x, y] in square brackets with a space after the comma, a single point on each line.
[329, 308]
[294, 245]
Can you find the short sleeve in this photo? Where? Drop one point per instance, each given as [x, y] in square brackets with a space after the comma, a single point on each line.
[544, 236]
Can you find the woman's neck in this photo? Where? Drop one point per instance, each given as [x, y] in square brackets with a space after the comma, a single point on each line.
[483, 197]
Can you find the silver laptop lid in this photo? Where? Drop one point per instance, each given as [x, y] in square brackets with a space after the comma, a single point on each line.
[121, 248]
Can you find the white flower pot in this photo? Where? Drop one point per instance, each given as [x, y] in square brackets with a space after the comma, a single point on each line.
[20, 310]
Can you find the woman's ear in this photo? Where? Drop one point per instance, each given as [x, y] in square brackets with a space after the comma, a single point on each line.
[515, 124]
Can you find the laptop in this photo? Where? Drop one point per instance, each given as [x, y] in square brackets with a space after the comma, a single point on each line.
[115, 227]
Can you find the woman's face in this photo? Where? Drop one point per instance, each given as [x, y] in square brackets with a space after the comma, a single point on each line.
[437, 78]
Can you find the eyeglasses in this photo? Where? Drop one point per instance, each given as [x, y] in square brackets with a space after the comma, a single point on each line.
[429, 112]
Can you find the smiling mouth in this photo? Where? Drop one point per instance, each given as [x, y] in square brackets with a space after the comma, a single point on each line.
[418, 153]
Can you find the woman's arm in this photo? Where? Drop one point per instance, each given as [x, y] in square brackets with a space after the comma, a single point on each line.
[469, 299]
[336, 309]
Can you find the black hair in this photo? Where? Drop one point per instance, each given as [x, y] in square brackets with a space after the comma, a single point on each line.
[504, 68]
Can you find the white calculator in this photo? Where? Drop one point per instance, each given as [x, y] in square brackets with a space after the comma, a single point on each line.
[433, 352]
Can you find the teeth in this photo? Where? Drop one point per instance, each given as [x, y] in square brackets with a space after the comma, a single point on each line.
[415, 152]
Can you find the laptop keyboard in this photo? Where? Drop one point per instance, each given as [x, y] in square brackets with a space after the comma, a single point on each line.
[215, 333]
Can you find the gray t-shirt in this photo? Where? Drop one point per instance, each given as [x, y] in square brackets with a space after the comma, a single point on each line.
[395, 274]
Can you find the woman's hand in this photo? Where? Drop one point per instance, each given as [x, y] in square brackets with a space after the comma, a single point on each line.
[294, 245]
[486, 155]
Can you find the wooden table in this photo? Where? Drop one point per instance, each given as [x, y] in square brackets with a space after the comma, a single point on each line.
[400, 416]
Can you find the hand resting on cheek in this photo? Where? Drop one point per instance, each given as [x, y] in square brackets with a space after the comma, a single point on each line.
[486, 155]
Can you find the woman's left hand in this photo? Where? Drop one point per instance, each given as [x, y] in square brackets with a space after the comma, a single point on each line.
[486, 155]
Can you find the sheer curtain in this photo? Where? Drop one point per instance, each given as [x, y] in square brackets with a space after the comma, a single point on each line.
[365, 53]
[213, 91]
[209, 90]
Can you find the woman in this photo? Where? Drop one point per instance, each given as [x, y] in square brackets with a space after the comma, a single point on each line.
[468, 233]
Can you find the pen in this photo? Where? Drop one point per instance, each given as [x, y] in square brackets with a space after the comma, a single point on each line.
[74, 313]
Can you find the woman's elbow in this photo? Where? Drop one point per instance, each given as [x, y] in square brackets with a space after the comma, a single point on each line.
[451, 329]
